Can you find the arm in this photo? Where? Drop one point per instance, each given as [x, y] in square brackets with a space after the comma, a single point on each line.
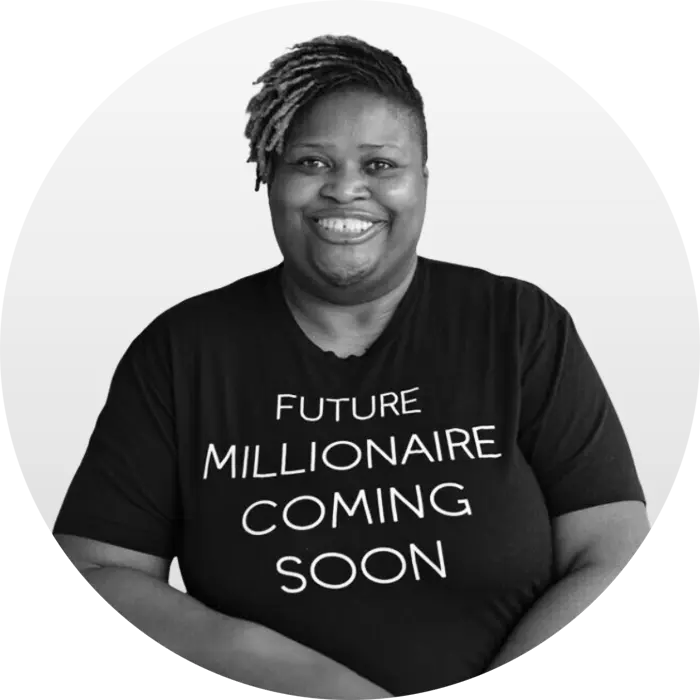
[136, 585]
[591, 547]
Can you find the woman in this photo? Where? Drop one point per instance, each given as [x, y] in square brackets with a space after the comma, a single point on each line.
[381, 474]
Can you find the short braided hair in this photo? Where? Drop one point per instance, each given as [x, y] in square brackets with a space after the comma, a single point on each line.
[314, 68]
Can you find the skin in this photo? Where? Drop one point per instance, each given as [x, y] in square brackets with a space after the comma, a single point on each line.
[327, 165]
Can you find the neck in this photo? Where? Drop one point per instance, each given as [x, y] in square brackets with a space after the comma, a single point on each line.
[343, 329]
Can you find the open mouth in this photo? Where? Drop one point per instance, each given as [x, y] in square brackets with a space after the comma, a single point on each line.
[346, 231]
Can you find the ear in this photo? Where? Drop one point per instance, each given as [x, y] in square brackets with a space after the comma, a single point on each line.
[426, 172]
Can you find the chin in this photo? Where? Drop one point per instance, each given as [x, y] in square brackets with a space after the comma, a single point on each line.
[344, 273]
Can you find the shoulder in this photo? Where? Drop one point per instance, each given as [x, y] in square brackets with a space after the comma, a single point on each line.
[207, 318]
[238, 301]
[499, 295]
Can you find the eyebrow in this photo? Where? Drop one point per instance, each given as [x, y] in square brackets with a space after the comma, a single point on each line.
[367, 146]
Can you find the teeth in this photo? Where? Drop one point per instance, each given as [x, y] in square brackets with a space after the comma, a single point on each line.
[346, 225]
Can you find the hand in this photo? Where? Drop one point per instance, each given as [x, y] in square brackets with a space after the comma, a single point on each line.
[289, 667]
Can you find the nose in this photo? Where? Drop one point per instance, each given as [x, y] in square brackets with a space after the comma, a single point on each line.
[346, 184]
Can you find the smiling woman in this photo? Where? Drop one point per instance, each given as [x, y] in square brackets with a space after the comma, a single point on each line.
[348, 197]
[387, 384]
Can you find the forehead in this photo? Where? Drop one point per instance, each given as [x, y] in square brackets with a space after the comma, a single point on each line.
[351, 118]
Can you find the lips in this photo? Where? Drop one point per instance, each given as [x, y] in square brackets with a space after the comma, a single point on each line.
[342, 213]
[347, 237]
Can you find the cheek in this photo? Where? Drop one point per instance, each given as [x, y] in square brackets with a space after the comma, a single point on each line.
[292, 195]
[403, 197]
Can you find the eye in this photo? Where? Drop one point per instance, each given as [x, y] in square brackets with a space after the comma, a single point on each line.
[383, 162]
[304, 162]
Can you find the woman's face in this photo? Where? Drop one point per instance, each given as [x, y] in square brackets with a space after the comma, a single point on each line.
[348, 197]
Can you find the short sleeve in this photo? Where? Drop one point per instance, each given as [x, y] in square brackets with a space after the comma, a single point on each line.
[569, 431]
[125, 491]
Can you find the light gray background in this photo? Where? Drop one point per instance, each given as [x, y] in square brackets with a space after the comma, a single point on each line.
[152, 202]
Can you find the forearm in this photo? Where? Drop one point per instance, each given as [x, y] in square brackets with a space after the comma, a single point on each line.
[231, 647]
[560, 604]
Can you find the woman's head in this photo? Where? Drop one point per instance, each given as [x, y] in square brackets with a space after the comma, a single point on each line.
[338, 135]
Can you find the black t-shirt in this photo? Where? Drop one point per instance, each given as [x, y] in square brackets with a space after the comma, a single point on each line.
[392, 510]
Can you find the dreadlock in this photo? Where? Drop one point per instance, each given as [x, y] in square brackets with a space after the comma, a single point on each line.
[315, 68]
